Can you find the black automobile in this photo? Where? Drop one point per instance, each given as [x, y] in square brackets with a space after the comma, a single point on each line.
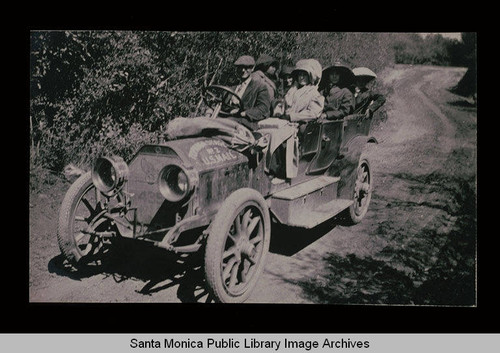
[212, 185]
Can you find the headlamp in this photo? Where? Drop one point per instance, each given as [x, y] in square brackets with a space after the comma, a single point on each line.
[109, 174]
[174, 183]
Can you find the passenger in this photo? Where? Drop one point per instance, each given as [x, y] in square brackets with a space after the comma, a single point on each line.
[303, 100]
[303, 103]
[339, 100]
[266, 68]
[254, 95]
[367, 100]
[286, 82]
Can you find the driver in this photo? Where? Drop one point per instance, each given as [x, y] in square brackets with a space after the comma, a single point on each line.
[254, 95]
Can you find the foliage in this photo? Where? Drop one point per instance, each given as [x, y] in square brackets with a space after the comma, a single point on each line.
[433, 49]
[355, 49]
[94, 92]
[466, 55]
[88, 88]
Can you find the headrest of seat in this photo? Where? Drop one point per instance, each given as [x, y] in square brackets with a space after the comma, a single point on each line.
[272, 123]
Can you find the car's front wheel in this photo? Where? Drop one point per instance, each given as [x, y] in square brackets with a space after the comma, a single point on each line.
[237, 246]
[82, 223]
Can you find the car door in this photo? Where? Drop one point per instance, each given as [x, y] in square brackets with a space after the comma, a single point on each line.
[330, 138]
[355, 125]
[309, 138]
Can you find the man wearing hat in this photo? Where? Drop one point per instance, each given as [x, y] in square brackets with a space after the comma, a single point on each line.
[254, 95]
[265, 70]
[367, 101]
[286, 80]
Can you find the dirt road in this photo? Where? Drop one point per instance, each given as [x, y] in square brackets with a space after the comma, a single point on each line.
[415, 246]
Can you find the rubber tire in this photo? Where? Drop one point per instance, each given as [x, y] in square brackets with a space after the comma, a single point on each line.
[65, 238]
[220, 227]
[351, 215]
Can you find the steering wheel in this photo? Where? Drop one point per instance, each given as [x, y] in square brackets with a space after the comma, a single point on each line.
[221, 96]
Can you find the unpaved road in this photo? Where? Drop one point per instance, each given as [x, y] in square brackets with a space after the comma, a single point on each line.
[415, 246]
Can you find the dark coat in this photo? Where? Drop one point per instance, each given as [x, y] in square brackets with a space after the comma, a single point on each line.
[339, 102]
[255, 101]
[367, 99]
[270, 84]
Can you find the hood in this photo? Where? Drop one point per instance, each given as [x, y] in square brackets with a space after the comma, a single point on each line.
[311, 66]
[234, 135]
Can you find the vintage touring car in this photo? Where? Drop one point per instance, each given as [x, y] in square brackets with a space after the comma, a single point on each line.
[211, 186]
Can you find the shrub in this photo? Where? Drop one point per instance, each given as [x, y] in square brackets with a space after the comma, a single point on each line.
[98, 91]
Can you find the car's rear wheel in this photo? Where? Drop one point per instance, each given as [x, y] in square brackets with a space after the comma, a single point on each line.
[362, 193]
[237, 246]
[82, 224]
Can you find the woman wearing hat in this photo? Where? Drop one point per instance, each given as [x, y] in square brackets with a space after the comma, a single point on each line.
[303, 103]
[303, 100]
[367, 101]
[339, 100]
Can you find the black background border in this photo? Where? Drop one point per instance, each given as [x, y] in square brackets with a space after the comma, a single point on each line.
[21, 316]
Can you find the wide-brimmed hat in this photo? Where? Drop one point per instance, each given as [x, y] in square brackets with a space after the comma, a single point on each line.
[363, 72]
[347, 76]
[245, 60]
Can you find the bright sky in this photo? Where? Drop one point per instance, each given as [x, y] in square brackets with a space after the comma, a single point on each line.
[451, 35]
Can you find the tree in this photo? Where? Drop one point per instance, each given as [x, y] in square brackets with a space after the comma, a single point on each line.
[467, 86]
[95, 92]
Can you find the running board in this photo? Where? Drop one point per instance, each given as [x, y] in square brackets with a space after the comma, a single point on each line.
[308, 204]
[311, 219]
[305, 188]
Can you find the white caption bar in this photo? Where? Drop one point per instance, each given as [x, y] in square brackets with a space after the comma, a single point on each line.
[184, 343]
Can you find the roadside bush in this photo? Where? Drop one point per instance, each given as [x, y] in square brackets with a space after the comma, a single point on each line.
[373, 50]
[94, 92]
[434, 49]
